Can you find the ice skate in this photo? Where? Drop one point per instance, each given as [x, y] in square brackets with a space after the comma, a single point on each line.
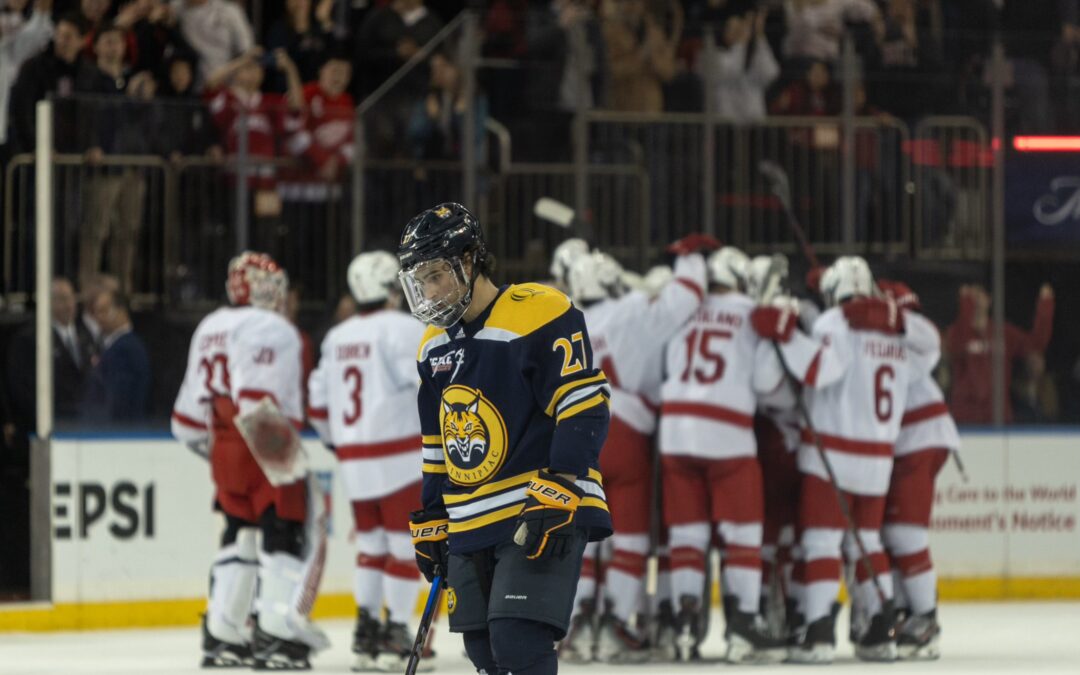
[365, 643]
[274, 653]
[618, 643]
[919, 638]
[220, 654]
[688, 630]
[664, 649]
[580, 640]
[878, 643]
[815, 643]
[748, 640]
[395, 645]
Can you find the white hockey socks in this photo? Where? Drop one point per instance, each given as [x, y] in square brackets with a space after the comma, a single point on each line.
[232, 589]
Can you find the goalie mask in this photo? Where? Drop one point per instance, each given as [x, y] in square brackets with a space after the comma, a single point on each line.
[433, 250]
[372, 276]
[594, 277]
[255, 279]
[728, 267]
[846, 278]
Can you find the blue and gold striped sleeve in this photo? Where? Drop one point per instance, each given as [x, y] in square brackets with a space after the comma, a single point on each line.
[434, 465]
[572, 390]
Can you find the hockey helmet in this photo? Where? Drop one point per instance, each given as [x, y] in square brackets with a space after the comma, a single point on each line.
[848, 277]
[766, 277]
[431, 252]
[372, 276]
[564, 256]
[594, 277]
[255, 279]
[727, 266]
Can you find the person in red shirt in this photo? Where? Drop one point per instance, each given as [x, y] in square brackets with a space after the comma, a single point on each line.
[968, 344]
[330, 118]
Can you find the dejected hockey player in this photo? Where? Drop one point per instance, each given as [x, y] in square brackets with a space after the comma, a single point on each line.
[927, 435]
[563, 257]
[716, 368]
[855, 372]
[366, 378]
[241, 356]
[513, 411]
[628, 333]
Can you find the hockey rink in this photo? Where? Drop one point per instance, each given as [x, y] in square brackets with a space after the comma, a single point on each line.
[1014, 637]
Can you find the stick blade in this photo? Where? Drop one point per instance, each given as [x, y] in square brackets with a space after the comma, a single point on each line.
[554, 211]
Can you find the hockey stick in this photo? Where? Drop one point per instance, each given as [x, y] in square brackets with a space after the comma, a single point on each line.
[425, 625]
[781, 189]
[564, 216]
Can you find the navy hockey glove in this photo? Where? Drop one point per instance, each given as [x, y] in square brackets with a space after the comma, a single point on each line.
[546, 523]
[429, 537]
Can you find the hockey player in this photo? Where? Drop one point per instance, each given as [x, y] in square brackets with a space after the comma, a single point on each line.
[716, 367]
[366, 377]
[513, 411]
[628, 334]
[855, 372]
[563, 257]
[927, 435]
[239, 356]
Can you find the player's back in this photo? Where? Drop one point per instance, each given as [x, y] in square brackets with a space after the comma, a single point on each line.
[264, 360]
[368, 370]
[926, 422]
[708, 396]
[858, 415]
[207, 373]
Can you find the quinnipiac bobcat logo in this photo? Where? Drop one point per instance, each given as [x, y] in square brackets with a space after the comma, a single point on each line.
[473, 434]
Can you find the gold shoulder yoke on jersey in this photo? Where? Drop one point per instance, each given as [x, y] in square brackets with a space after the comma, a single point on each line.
[525, 308]
[432, 333]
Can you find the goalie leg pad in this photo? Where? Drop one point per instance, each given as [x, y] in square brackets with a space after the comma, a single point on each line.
[232, 584]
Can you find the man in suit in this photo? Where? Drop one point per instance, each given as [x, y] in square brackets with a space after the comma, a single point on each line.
[119, 384]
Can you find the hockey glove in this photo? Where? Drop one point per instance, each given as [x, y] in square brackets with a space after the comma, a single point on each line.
[430, 532]
[775, 322]
[546, 524]
[874, 314]
[694, 243]
[900, 292]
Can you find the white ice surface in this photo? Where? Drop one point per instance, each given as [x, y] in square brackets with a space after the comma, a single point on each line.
[978, 638]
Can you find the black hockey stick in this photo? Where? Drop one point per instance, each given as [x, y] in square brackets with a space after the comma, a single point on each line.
[781, 189]
[425, 625]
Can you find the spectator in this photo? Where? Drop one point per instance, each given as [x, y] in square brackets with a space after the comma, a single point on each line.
[911, 55]
[153, 34]
[19, 40]
[90, 292]
[53, 72]
[330, 119]
[640, 56]
[745, 68]
[72, 353]
[307, 39]
[93, 14]
[115, 196]
[968, 347]
[119, 384]
[389, 37]
[217, 30]
[191, 131]
[436, 129]
[1029, 28]
[815, 27]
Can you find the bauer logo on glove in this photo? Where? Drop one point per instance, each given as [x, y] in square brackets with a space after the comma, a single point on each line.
[545, 526]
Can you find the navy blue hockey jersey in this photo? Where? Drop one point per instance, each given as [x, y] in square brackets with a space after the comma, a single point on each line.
[501, 397]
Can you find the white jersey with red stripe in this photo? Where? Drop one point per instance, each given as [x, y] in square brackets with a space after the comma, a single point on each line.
[927, 423]
[628, 335]
[716, 367]
[856, 385]
[362, 401]
[246, 354]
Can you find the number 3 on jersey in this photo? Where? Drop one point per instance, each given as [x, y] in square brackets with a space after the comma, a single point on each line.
[573, 353]
[354, 384]
[706, 353]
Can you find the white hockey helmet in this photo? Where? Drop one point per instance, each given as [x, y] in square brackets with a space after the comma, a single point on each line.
[564, 256]
[766, 277]
[728, 266]
[372, 276]
[847, 277]
[256, 279]
[594, 277]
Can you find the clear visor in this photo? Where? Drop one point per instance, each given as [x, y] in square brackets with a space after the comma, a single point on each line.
[436, 291]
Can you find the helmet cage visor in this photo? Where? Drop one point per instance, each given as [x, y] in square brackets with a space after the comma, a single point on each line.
[437, 291]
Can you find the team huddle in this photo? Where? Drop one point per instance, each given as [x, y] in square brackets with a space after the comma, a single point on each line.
[561, 459]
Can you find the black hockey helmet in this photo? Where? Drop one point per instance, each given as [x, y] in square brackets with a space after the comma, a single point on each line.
[448, 230]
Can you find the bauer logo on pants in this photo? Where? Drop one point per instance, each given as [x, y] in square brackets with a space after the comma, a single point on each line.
[451, 599]
[474, 435]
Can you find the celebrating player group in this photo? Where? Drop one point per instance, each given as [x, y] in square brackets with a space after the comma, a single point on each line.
[559, 460]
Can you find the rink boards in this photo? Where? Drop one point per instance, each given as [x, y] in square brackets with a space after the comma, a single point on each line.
[133, 532]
